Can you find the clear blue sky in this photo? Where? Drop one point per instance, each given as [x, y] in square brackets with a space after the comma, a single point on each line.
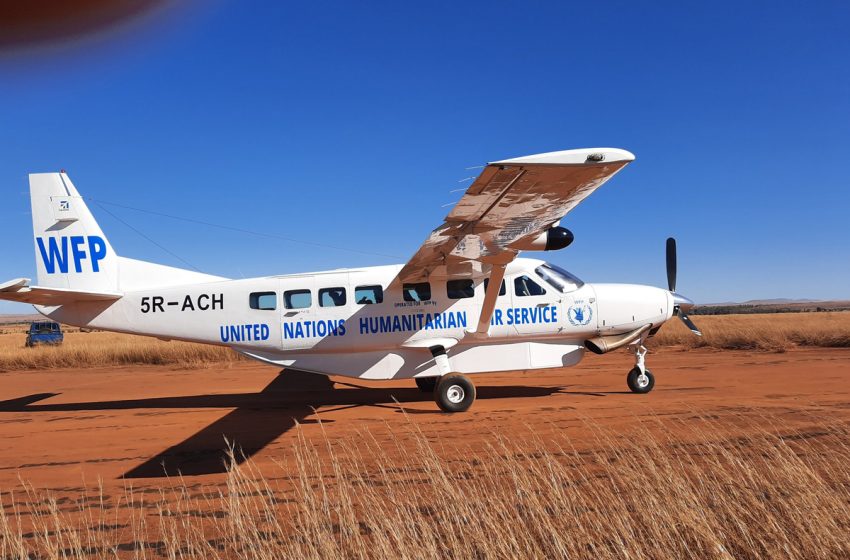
[348, 124]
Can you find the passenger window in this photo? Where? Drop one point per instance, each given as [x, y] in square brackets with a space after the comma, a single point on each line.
[459, 289]
[332, 297]
[525, 286]
[368, 294]
[297, 299]
[502, 289]
[417, 292]
[263, 300]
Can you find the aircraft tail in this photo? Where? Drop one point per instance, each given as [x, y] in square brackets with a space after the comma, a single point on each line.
[74, 256]
[71, 251]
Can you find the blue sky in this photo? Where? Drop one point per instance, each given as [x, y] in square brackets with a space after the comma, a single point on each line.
[348, 125]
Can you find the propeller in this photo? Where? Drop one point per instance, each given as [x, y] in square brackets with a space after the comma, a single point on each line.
[681, 304]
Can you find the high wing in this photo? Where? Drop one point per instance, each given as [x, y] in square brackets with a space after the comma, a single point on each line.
[20, 290]
[511, 202]
[509, 205]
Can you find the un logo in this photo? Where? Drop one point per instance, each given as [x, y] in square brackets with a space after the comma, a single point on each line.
[579, 314]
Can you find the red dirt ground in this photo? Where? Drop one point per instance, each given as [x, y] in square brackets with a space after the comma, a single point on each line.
[63, 428]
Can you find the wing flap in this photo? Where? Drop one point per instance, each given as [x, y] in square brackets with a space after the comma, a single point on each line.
[19, 290]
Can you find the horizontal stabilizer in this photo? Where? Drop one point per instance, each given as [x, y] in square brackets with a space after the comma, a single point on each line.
[20, 290]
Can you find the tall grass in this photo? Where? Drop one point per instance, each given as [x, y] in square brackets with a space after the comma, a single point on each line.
[769, 495]
[774, 332]
[98, 349]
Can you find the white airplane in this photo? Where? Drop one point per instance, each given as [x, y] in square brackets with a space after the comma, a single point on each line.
[464, 303]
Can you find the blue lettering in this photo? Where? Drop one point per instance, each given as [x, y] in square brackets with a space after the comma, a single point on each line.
[461, 319]
[451, 322]
[396, 324]
[264, 332]
[364, 325]
[299, 330]
[342, 327]
[79, 254]
[554, 314]
[52, 256]
[222, 331]
[97, 251]
[321, 328]
[524, 315]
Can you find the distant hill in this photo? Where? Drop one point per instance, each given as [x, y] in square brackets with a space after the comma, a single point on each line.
[11, 319]
[771, 306]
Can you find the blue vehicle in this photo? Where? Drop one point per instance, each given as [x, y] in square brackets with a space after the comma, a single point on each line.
[44, 332]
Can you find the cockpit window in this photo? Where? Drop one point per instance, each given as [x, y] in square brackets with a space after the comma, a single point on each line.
[525, 286]
[558, 278]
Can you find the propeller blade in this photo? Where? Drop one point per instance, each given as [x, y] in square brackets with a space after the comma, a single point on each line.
[690, 324]
[671, 264]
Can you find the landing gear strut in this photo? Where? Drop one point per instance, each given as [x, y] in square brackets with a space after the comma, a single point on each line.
[640, 379]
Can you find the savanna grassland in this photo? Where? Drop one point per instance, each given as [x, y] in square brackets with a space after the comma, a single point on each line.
[740, 452]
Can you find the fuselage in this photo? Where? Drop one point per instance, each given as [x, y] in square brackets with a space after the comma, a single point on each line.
[366, 323]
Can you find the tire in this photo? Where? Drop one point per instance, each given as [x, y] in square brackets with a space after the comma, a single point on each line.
[639, 385]
[426, 384]
[454, 393]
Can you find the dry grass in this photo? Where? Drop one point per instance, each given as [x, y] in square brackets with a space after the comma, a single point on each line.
[96, 349]
[770, 495]
[774, 332]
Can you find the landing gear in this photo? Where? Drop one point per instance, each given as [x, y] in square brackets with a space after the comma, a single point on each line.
[454, 393]
[426, 384]
[640, 379]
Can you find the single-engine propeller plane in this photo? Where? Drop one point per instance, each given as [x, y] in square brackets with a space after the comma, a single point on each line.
[463, 304]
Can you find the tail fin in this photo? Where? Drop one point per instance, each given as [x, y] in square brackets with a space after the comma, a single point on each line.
[71, 251]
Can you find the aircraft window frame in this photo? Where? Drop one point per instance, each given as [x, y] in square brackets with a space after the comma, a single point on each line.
[558, 278]
[287, 299]
[376, 291]
[530, 279]
[467, 290]
[332, 301]
[416, 286]
[255, 301]
[503, 289]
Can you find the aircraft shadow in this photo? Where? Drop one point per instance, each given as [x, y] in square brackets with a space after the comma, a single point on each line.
[256, 420]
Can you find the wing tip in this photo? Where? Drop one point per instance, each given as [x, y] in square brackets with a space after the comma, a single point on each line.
[573, 157]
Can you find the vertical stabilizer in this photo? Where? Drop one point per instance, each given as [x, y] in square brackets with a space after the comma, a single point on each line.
[71, 251]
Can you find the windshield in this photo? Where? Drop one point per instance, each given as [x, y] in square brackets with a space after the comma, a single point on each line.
[558, 278]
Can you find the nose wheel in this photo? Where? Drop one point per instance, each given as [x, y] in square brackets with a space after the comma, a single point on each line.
[640, 379]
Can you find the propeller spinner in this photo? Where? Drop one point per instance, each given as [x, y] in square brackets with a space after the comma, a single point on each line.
[680, 302]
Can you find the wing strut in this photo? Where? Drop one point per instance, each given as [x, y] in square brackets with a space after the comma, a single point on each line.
[494, 284]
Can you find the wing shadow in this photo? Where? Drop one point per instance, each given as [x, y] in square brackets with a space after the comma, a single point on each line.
[257, 419]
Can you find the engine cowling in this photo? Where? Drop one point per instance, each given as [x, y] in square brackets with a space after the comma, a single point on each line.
[552, 239]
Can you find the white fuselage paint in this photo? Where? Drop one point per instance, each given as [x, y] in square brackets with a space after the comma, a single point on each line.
[381, 340]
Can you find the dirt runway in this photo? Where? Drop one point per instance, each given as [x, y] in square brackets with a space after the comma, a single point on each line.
[61, 429]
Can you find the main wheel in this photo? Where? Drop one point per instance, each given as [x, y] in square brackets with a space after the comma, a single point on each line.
[426, 384]
[454, 393]
[640, 382]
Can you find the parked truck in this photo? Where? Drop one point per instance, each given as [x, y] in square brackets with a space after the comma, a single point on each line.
[44, 332]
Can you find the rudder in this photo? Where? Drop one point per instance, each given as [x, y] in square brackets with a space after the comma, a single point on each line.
[71, 251]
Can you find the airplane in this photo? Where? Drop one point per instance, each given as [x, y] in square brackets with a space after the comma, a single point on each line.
[464, 303]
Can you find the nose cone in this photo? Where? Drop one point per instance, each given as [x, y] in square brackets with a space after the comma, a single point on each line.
[629, 306]
[682, 302]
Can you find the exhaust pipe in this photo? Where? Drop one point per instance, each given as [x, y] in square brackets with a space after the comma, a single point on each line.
[603, 344]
